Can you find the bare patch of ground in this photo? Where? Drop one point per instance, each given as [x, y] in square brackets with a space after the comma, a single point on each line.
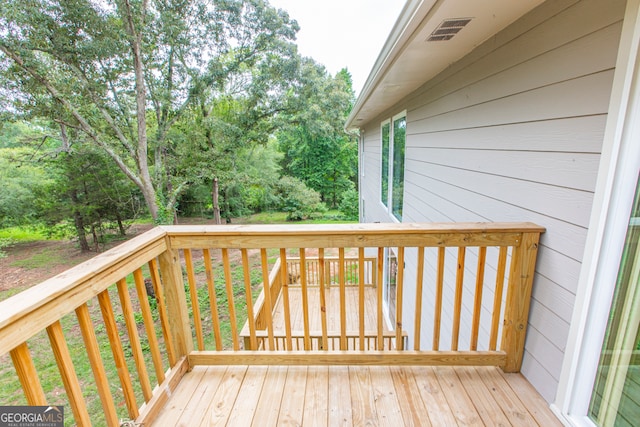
[29, 263]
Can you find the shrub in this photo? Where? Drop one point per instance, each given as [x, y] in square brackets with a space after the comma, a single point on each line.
[299, 201]
[349, 204]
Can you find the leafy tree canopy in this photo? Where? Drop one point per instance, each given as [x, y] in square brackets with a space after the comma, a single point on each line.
[125, 72]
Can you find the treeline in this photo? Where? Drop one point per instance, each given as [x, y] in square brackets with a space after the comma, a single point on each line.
[116, 109]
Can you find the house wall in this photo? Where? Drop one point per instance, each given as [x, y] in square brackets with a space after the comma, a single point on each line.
[512, 132]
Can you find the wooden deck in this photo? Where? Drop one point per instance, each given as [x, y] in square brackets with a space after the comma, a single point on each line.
[353, 396]
[333, 318]
[332, 298]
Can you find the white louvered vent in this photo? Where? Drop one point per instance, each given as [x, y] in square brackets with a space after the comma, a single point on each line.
[447, 29]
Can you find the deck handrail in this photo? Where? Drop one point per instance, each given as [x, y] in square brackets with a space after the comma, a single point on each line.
[177, 327]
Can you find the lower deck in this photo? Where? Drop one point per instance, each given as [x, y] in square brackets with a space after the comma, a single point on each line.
[353, 395]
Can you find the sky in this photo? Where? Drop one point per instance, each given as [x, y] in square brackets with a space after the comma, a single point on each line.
[343, 33]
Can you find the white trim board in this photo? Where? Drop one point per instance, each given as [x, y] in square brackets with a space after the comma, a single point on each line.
[617, 178]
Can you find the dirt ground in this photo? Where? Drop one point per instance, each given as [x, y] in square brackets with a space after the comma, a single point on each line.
[67, 254]
[64, 254]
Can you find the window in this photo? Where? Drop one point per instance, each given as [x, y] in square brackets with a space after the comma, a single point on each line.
[615, 396]
[384, 167]
[392, 164]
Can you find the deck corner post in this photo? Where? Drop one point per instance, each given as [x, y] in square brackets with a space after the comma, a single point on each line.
[516, 313]
[176, 301]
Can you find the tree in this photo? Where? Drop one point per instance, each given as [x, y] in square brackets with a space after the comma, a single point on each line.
[89, 190]
[124, 72]
[49, 176]
[23, 185]
[316, 147]
[298, 200]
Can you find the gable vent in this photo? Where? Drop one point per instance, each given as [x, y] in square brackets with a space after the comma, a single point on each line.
[447, 29]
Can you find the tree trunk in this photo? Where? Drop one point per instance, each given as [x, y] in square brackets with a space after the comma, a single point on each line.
[78, 222]
[216, 206]
[94, 233]
[120, 224]
[135, 41]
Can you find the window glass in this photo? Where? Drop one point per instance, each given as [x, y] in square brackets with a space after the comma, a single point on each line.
[384, 167]
[399, 131]
[615, 400]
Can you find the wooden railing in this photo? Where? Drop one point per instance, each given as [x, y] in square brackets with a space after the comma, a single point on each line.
[329, 270]
[204, 280]
[317, 271]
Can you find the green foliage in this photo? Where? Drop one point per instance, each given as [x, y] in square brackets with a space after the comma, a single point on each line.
[88, 192]
[299, 201]
[133, 78]
[4, 242]
[349, 205]
[23, 186]
[317, 149]
[24, 233]
[220, 93]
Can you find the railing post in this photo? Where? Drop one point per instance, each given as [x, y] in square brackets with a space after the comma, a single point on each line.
[176, 301]
[516, 313]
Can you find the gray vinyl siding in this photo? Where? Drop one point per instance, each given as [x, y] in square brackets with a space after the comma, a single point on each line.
[513, 132]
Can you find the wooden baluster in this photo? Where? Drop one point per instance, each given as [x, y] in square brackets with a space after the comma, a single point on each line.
[284, 275]
[497, 297]
[134, 339]
[457, 306]
[519, 287]
[323, 300]
[232, 306]
[418, 315]
[314, 267]
[361, 312]
[68, 374]
[399, 286]
[176, 300]
[438, 302]
[268, 305]
[118, 354]
[26, 371]
[305, 298]
[343, 302]
[158, 288]
[249, 299]
[477, 306]
[99, 374]
[213, 299]
[380, 286]
[149, 325]
[195, 304]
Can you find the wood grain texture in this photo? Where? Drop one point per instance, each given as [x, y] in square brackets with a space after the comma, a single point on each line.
[195, 304]
[26, 371]
[32, 310]
[353, 396]
[158, 288]
[213, 299]
[149, 324]
[68, 374]
[118, 354]
[95, 360]
[134, 339]
[369, 357]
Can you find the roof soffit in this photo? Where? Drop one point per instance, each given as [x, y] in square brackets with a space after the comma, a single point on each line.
[408, 60]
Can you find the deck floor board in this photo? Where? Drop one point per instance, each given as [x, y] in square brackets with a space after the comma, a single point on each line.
[353, 395]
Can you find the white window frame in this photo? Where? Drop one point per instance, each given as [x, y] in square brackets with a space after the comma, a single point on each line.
[389, 206]
[615, 190]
